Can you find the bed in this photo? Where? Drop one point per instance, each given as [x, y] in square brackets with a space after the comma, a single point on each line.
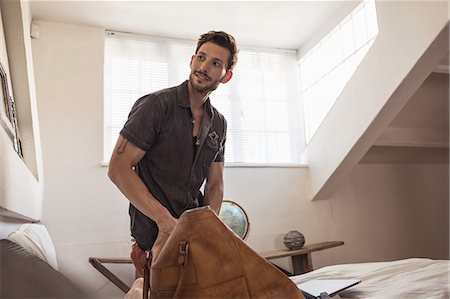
[407, 278]
[29, 268]
[402, 279]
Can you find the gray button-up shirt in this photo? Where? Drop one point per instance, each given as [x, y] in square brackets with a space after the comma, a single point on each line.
[161, 124]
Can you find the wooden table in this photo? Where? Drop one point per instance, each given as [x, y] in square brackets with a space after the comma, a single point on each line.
[301, 258]
[98, 262]
[301, 261]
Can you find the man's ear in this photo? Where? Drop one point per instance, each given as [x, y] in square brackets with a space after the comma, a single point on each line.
[227, 77]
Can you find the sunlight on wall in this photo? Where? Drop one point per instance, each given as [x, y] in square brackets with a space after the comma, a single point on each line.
[326, 68]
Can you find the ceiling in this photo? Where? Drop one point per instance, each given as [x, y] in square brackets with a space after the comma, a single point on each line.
[426, 112]
[428, 108]
[274, 24]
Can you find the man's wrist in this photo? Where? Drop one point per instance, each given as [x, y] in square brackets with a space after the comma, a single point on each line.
[165, 221]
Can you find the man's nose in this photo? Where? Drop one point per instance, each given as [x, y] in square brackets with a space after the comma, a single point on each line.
[204, 66]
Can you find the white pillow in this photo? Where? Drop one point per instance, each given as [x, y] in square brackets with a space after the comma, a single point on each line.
[36, 239]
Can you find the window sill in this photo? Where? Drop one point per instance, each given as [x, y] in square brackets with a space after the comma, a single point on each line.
[247, 165]
[266, 165]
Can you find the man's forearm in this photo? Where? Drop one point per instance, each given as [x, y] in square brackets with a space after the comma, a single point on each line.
[214, 187]
[131, 185]
[214, 196]
[121, 173]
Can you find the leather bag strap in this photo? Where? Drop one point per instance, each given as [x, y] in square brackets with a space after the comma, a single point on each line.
[183, 253]
[146, 286]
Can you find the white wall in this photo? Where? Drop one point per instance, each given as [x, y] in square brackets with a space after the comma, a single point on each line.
[21, 180]
[83, 211]
[385, 80]
[87, 216]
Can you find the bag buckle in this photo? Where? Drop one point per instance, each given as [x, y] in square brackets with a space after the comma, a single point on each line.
[183, 251]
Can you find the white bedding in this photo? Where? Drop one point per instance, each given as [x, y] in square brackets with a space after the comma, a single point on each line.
[35, 238]
[408, 278]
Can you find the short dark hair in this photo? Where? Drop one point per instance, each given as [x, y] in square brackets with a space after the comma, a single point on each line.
[221, 39]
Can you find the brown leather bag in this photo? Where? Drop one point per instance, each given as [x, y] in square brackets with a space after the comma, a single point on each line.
[203, 258]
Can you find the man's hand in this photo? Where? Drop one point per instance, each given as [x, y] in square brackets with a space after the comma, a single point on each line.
[165, 225]
[158, 245]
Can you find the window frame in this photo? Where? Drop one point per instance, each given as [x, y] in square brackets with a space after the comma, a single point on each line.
[295, 98]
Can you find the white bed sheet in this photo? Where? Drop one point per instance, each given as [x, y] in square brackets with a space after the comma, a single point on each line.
[408, 278]
[35, 238]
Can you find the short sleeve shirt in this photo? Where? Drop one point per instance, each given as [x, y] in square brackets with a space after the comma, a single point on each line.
[161, 124]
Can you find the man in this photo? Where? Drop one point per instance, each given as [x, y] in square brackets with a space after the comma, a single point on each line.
[172, 141]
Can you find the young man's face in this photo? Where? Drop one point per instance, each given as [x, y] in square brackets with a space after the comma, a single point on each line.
[209, 67]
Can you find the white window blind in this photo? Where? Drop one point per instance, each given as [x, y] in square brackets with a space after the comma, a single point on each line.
[261, 102]
[327, 68]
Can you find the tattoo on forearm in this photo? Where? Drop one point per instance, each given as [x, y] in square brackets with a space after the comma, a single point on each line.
[122, 145]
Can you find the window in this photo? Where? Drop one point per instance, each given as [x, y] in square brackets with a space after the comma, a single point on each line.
[326, 69]
[261, 102]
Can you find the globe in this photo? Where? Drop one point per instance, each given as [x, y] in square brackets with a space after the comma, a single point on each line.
[234, 216]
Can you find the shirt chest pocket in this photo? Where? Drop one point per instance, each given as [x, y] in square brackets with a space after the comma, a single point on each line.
[212, 148]
[211, 151]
